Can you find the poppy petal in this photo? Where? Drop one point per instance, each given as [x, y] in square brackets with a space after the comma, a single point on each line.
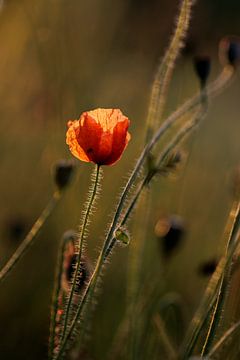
[119, 141]
[71, 140]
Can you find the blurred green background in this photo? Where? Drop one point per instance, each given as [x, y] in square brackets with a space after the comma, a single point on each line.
[62, 57]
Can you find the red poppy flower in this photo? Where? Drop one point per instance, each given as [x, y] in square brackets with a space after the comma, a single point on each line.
[99, 136]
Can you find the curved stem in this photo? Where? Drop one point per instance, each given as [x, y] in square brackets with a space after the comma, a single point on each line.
[165, 69]
[31, 236]
[189, 105]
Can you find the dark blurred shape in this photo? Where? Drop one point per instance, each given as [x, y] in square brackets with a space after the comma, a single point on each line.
[16, 228]
[63, 173]
[70, 263]
[83, 273]
[170, 231]
[202, 66]
[229, 50]
[208, 267]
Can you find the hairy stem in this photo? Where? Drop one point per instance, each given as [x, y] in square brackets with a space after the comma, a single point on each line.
[165, 69]
[189, 105]
[79, 243]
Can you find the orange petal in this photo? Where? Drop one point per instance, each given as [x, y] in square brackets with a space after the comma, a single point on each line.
[71, 140]
[89, 136]
[119, 142]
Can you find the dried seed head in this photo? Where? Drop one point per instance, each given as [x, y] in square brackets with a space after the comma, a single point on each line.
[70, 263]
[229, 50]
[208, 267]
[83, 274]
[202, 66]
[170, 231]
[63, 173]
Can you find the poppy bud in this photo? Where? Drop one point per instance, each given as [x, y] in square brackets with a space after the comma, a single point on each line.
[170, 231]
[208, 267]
[63, 173]
[122, 236]
[202, 66]
[229, 50]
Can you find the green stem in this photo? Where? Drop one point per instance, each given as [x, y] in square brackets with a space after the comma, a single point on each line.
[79, 243]
[189, 105]
[31, 236]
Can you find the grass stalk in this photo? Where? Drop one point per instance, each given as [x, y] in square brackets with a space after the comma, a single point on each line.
[31, 236]
[165, 69]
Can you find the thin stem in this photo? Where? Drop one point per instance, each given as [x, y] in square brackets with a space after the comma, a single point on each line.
[56, 294]
[79, 243]
[210, 295]
[165, 69]
[163, 336]
[231, 226]
[224, 339]
[31, 236]
[189, 105]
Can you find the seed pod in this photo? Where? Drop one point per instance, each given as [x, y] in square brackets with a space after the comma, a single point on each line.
[63, 173]
[229, 50]
[202, 66]
[170, 232]
[208, 267]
